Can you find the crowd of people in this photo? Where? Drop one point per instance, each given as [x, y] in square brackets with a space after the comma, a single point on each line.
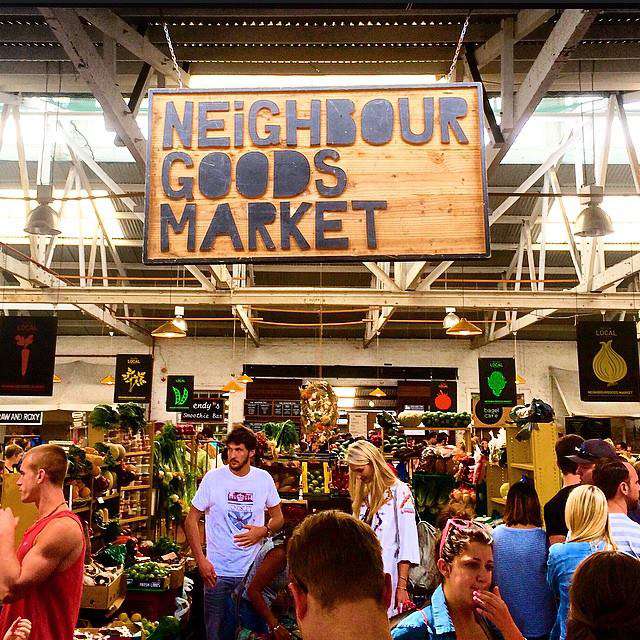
[336, 575]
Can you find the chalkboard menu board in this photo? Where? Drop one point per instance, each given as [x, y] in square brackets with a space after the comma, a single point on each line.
[277, 409]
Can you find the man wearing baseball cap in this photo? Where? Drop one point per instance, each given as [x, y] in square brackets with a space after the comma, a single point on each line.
[587, 454]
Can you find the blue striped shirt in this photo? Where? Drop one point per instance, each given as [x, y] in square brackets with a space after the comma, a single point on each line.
[625, 533]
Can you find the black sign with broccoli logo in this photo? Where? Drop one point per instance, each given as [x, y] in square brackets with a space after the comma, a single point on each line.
[497, 382]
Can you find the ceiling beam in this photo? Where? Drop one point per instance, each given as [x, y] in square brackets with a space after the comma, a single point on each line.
[127, 36]
[90, 66]
[526, 21]
[243, 313]
[601, 281]
[565, 36]
[495, 246]
[503, 207]
[43, 278]
[328, 296]
[384, 278]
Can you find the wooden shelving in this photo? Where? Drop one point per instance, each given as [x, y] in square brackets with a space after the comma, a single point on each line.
[134, 454]
[133, 519]
[135, 487]
[533, 457]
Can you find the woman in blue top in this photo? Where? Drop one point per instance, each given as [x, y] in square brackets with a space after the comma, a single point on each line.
[520, 552]
[464, 607]
[588, 523]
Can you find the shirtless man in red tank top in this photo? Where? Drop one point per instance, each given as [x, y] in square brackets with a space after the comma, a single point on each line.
[42, 580]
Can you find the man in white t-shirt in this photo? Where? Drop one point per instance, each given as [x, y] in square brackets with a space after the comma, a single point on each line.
[233, 499]
[619, 483]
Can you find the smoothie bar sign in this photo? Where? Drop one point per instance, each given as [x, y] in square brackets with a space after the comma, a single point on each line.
[324, 174]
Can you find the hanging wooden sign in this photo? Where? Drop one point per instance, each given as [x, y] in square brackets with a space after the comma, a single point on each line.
[329, 174]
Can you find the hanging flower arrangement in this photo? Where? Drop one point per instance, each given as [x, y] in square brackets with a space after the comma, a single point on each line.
[319, 406]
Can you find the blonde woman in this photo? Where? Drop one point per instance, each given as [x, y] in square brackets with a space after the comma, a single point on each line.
[587, 519]
[386, 505]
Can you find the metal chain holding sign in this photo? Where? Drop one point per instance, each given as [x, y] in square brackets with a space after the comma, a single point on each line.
[456, 55]
[173, 55]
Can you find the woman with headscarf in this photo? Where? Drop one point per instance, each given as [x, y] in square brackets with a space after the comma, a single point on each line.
[385, 503]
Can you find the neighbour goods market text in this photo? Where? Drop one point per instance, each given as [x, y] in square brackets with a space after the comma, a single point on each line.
[268, 171]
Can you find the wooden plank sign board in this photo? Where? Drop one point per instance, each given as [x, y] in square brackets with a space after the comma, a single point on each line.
[296, 175]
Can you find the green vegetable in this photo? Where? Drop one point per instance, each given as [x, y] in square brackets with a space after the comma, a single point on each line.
[131, 416]
[163, 546]
[174, 473]
[112, 555]
[168, 629]
[104, 417]
[284, 434]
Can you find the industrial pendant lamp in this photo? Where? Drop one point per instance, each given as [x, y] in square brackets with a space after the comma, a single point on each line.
[378, 393]
[43, 219]
[109, 379]
[174, 328]
[593, 221]
[451, 319]
[464, 328]
[245, 379]
[232, 386]
[56, 378]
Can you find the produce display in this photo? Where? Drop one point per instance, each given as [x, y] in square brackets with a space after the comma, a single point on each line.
[146, 572]
[431, 494]
[98, 574]
[129, 416]
[313, 481]
[340, 479]
[394, 444]
[410, 419]
[136, 622]
[176, 483]
[286, 474]
[134, 626]
[284, 435]
[444, 419]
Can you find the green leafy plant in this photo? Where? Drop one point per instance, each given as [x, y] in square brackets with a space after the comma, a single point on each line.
[177, 484]
[284, 434]
[131, 416]
[104, 417]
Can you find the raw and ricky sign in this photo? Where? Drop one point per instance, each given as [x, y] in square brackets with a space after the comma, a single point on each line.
[346, 173]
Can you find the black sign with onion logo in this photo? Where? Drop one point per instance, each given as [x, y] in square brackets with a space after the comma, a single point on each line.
[608, 361]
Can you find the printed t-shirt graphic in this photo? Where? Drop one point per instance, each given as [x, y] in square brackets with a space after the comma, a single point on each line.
[239, 509]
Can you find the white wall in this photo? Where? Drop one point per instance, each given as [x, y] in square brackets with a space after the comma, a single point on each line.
[214, 360]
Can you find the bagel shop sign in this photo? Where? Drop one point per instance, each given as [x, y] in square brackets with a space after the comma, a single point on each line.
[294, 175]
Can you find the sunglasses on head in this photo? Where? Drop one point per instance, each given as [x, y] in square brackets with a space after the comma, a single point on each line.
[583, 452]
[466, 526]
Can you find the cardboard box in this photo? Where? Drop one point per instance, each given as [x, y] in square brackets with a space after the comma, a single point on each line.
[176, 575]
[102, 597]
